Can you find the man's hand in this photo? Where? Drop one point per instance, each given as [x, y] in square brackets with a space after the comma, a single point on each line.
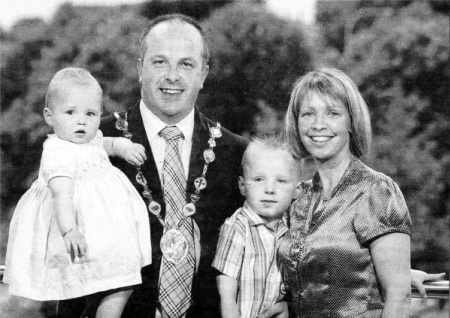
[418, 277]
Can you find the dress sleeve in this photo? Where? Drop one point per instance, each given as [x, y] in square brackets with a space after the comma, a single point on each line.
[230, 250]
[58, 160]
[383, 211]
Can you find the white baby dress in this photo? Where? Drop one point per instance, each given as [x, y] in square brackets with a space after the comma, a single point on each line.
[109, 213]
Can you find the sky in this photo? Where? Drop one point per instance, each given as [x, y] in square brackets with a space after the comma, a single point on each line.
[13, 10]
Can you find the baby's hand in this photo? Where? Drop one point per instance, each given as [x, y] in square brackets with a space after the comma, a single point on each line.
[135, 154]
[419, 277]
[75, 243]
[129, 151]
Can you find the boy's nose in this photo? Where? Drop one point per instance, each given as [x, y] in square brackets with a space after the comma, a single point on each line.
[270, 188]
[81, 120]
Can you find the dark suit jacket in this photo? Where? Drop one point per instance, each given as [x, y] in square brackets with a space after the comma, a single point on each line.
[218, 201]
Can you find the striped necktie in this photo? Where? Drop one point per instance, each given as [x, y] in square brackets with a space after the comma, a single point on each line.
[176, 279]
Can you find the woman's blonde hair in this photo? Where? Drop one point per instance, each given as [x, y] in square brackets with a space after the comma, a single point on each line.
[334, 84]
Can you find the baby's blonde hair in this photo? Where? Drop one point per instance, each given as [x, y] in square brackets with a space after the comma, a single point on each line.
[70, 75]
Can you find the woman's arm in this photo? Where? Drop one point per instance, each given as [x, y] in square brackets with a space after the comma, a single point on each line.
[228, 288]
[62, 191]
[126, 149]
[391, 257]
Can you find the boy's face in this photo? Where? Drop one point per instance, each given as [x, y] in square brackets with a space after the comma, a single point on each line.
[270, 182]
[74, 113]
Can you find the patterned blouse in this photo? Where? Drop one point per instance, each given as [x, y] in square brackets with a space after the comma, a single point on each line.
[326, 251]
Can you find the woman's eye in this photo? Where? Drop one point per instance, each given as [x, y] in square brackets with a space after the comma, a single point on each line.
[306, 114]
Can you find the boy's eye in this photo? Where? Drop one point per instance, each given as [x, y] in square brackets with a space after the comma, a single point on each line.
[91, 114]
[258, 179]
[282, 181]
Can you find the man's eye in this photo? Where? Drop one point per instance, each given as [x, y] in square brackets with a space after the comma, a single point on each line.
[158, 62]
[187, 65]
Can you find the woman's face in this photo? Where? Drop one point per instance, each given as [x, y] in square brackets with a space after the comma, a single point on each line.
[324, 127]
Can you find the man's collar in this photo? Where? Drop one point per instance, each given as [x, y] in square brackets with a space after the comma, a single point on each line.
[153, 124]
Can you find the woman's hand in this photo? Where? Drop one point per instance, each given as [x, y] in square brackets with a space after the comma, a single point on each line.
[75, 242]
[278, 310]
[419, 277]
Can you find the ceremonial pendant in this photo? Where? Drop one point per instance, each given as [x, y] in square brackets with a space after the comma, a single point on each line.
[154, 208]
[174, 246]
[121, 124]
[188, 209]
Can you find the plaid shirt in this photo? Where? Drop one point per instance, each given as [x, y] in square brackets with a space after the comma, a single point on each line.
[247, 251]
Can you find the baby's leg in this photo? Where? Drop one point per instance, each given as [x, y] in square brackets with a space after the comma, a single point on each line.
[112, 305]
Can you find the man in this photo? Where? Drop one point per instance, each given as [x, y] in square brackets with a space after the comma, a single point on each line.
[172, 67]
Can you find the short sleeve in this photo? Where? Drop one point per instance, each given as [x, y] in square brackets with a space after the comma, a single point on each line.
[230, 251]
[383, 210]
[58, 159]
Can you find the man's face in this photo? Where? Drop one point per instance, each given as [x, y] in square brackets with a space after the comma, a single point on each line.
[171, 72]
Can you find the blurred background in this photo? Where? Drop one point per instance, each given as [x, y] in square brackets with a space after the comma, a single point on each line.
[396, 51]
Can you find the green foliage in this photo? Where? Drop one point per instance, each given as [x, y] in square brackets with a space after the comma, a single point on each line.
[255, 56]
[401, 64]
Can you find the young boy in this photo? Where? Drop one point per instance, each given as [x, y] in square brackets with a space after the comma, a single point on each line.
[251, 280]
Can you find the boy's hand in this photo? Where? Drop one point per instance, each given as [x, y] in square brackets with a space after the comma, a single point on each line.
[278, 310]
[418, 277]
[135, 154]
[75, 243]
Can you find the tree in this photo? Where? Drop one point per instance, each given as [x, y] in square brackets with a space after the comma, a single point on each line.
[255, 58]
[400, 63]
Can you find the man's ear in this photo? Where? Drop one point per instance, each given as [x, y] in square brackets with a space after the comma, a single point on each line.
[48, 116]
[297, 191]
[241, 183]
[205, 72]
[139, 69]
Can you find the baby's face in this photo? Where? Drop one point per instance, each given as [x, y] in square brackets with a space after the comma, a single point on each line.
[74, 113]
[270, 182]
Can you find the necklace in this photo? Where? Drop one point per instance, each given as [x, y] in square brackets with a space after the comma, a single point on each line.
[200, 183]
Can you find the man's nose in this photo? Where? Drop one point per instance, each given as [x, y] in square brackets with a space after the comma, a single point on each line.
[172, 74]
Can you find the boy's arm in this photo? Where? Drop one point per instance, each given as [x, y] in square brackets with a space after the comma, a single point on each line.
[228, 288]
[125, 149]
[62, 190]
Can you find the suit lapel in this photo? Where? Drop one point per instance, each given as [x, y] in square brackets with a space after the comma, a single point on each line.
[200, 138]
[136, 128]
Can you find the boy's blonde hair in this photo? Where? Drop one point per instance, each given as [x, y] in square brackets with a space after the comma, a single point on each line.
[332, 84]
[266, 142]
[73, 76]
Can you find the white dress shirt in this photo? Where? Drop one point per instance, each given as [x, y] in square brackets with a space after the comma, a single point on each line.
[153, 125]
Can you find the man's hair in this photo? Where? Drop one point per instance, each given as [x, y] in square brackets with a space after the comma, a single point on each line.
[335, 86]
[269, 141]
[70, 76]
[174, 17]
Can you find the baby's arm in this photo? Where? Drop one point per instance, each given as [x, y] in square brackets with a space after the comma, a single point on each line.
[228, 287]
[125, 149]
[62, 190]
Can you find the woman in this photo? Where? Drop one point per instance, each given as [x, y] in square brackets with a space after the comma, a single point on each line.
[348, 250]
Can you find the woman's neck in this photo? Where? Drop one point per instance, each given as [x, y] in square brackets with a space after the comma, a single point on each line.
[331, 172]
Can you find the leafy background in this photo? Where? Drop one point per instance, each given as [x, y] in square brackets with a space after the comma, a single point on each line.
[397, 52]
